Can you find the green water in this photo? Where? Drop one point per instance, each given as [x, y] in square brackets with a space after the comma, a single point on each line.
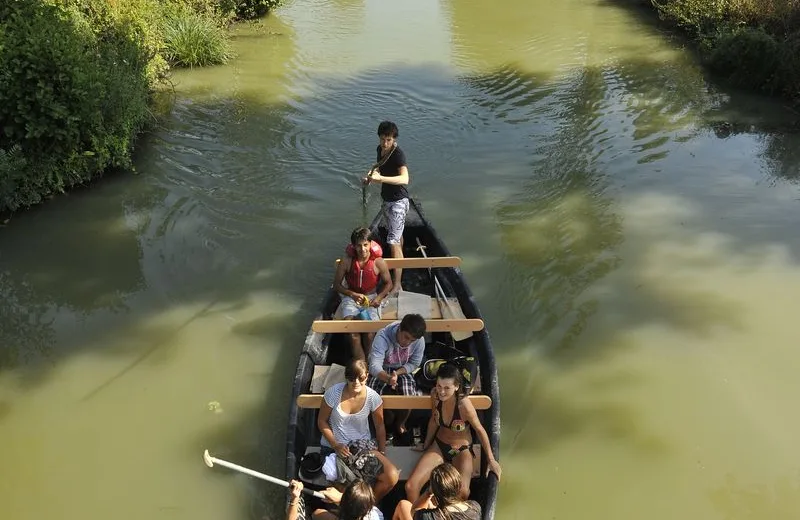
[627, 225]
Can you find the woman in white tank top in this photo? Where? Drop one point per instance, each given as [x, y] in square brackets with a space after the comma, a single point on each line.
[344, 418]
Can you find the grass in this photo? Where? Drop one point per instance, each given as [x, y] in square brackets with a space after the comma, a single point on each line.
[194, 40]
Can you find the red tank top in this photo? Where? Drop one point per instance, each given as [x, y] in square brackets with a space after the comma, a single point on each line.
[362, 280]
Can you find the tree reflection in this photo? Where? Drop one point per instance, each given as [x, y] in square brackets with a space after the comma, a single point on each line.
[26, 327]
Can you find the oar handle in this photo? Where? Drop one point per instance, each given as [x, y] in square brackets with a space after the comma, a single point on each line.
[210, 461]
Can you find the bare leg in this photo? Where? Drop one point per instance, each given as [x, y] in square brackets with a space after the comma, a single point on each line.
[403, 511]
[368, 344]
[463, 463]
[397, 252]
[321, 514]
[355, 344]
[400, 421]
[422, 472]
[386, 480]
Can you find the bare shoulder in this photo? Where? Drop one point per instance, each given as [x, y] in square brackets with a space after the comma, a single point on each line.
[465, 405]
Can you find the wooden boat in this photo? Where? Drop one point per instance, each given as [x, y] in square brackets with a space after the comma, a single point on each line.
[324, 354]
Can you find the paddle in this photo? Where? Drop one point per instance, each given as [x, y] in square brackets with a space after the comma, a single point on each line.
[444, 302]
[209, 460]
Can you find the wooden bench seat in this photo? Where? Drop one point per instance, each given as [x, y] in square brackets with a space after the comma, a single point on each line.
[398, 402]
[328, 326]
[401, 456]
[419, 262]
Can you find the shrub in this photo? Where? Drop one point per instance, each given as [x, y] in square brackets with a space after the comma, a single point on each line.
[73, 95]
[748, 57]
[248, 9]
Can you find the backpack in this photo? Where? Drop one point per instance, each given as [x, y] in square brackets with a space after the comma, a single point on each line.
[426, 375]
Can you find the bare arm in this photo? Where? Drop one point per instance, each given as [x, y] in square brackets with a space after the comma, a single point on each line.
[423, 502]
[387, 281]
[380, 428]
[325, 428]
[398, 180]
[322, 423]
[295, 487]
[471, 416]
[432, 427]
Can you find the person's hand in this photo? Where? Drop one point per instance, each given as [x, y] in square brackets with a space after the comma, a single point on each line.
[361, 299]
[376, 302]
[332, 495]
[494, 467]
[393, 380]
[295, 488]
[342, 450]
[374, 175]
[366, 180]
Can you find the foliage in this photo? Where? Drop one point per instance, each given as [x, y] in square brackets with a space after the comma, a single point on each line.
[752, 43]
[73, 95]
[192, 40]
[77, 77]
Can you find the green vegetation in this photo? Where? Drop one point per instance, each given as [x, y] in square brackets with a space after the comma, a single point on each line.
[754, 44]
[77, 78]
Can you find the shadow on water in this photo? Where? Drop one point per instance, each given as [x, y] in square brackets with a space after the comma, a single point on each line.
[189, 238]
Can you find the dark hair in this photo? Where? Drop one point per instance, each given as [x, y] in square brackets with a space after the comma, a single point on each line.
[414, 324]
[388, 128]
[359, 234]
[445, 485]
[355, 369]
[357, 501]
[451, 371]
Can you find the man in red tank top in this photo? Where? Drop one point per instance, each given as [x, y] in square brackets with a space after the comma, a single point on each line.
[356, 279]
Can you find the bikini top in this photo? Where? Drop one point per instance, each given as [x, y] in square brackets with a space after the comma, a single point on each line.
[457, 424]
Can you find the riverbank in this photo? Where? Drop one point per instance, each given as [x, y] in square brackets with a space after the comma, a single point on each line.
[77, 82]
[752, 44]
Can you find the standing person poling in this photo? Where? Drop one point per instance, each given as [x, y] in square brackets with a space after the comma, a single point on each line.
[391, 171]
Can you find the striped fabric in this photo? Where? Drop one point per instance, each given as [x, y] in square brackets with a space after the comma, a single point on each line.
[349, 427]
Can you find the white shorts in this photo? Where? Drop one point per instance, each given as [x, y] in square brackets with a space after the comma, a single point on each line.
[349, 308]
[394, 217]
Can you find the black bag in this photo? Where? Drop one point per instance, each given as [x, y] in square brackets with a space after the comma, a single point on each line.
[426, 375]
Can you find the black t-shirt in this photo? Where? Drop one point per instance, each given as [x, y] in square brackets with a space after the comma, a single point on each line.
[391, 168]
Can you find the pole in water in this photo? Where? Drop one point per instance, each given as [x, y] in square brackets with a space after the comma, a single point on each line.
[364, 203]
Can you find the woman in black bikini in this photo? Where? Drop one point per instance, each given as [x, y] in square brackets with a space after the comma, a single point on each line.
[450, 440]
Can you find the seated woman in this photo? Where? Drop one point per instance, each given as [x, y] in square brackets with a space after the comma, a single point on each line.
[449, 438]
[356, 503]
[442, 502]
[344, 420]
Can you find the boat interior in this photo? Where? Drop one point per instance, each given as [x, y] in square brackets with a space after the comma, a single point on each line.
[325, 355]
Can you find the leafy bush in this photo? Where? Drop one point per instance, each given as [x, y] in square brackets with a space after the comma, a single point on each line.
[248, 9]
[748, 57]
[752, 43]
[73, 95]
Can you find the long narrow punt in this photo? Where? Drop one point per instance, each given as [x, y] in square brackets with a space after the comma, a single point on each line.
[435, 288]
[398, 402]
[436, 325]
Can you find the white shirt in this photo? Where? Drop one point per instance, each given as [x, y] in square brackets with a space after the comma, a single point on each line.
[348, 427]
